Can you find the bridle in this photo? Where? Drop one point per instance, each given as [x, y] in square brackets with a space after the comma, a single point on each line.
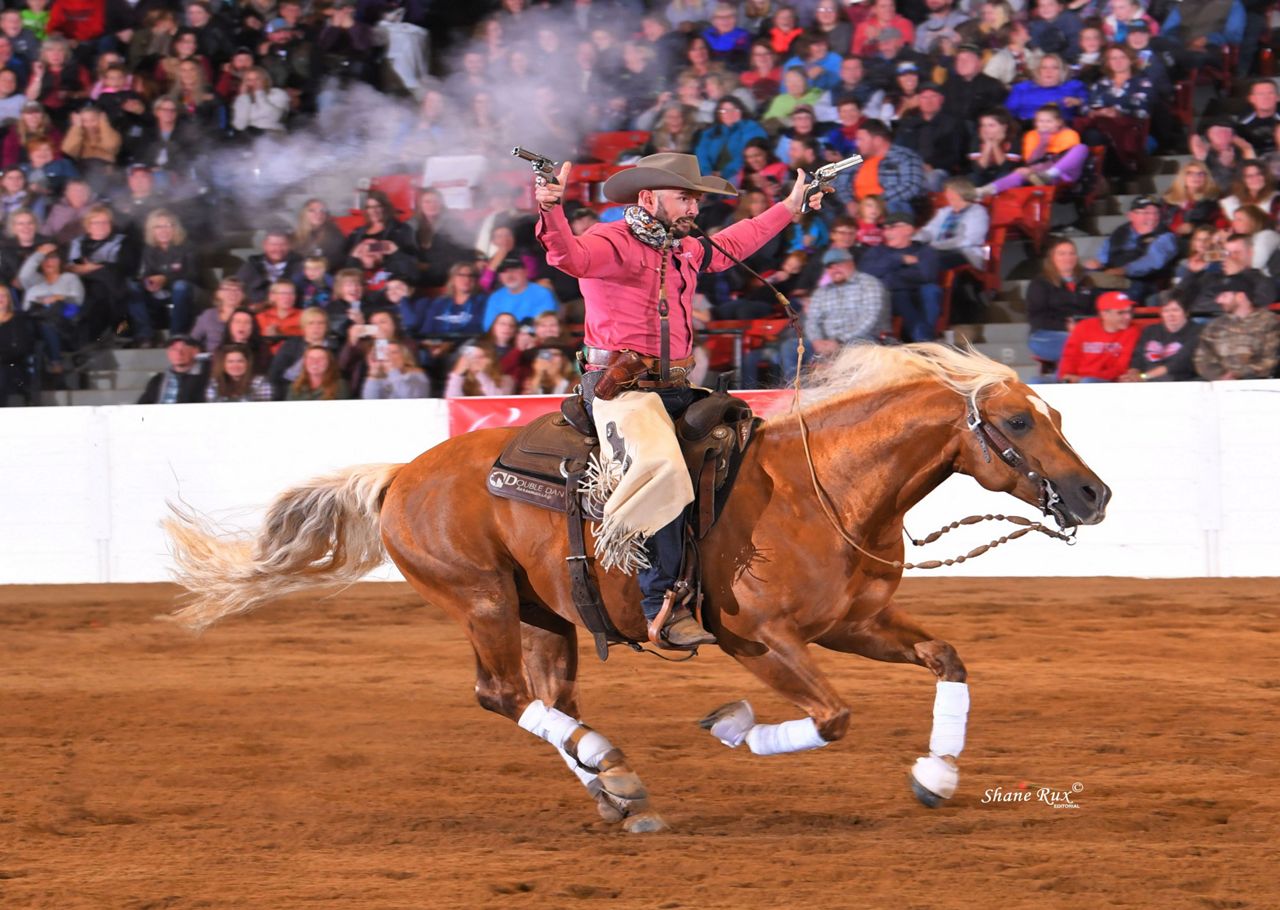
[990, 437]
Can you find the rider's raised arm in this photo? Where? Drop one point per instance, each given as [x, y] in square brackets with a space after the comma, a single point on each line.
[746, 236]
[588, 256]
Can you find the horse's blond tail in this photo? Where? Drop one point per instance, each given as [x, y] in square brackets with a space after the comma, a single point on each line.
[324, 533]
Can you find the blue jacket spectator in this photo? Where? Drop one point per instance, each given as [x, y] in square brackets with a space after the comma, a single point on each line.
[720, 146]
[1054, 32]
[1142, 250]
[460, 310]
[1048, 87]
[909, 270]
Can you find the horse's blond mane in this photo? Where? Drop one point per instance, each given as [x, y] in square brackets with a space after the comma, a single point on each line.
[862, 368]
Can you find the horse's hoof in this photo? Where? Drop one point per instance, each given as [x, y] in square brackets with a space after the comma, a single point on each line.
[730, 723]
[609, 810]
[927, 798]
[933, 780]
[644, 823]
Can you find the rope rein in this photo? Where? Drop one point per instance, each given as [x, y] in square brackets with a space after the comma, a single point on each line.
[1027, 525]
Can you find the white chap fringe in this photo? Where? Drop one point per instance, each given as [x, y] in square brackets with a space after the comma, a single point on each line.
[324, 533]
[616, 548]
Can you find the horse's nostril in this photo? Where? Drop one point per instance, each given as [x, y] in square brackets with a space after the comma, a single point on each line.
[1090, 495]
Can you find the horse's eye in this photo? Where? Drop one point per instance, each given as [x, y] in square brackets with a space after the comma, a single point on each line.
[1017, 423]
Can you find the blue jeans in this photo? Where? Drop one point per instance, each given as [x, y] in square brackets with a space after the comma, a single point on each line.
[173, 308]
[919, 308]
[666, 547]
[1047, 345]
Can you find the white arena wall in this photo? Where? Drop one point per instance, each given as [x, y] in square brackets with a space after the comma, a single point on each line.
[1194, 467]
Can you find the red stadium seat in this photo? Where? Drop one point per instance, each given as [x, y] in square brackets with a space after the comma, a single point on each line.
[1025, 209]
[400, 189]
[586, 183]
[608, 147]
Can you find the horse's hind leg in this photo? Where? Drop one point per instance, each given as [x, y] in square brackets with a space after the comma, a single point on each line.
[526, 672]
[550, 671]
[893, 636]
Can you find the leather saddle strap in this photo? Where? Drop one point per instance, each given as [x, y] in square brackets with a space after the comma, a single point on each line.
[586, 596]
[664, 319]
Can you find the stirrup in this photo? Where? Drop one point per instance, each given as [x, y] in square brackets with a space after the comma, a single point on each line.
[658, 627]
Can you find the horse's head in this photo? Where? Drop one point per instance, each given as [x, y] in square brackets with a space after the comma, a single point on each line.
[1013, 443]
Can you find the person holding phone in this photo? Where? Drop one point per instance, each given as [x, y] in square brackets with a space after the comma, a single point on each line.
[475, 372]
[381, 235]
[392, 373]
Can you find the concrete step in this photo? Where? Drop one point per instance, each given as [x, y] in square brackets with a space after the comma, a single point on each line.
[150, 360]
[1155, 185]
[91, 397]
[1103, 225]
[123, 380]
[1003, 334]
[135, 379]
[1011, 353]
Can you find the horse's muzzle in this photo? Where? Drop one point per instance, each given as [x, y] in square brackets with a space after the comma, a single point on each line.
[1081, 501]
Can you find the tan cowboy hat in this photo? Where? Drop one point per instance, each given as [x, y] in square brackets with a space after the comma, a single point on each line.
[664, 171]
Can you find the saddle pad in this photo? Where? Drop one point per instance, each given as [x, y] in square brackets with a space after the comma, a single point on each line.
[532, 467]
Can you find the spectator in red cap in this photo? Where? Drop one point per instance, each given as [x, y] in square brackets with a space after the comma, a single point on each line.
[1100, 348]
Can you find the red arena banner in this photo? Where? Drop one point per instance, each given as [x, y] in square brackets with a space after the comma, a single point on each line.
[467, 414]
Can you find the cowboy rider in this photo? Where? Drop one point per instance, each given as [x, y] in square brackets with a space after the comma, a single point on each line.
[632, 273]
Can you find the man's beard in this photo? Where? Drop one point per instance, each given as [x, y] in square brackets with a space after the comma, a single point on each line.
[677, 229]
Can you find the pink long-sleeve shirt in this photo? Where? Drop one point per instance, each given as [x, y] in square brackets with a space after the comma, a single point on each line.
[618, 276]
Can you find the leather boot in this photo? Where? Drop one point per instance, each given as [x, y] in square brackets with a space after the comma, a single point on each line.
[682, 631]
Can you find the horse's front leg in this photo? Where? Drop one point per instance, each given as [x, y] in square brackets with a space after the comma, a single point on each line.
[781, 659]
[893, 636]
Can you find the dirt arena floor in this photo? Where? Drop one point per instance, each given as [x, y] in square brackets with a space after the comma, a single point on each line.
[330, 754]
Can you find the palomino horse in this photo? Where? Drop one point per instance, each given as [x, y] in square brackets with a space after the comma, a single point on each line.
[886, 426]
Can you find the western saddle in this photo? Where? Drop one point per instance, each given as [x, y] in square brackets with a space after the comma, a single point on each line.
[544, 464]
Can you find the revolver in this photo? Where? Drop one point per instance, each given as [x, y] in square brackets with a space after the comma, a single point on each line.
[543, 166]
[823, 177]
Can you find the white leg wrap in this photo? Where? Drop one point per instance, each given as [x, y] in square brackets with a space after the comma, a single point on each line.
[547, 723]
[556, 727]
[792, 736]
[950, 714]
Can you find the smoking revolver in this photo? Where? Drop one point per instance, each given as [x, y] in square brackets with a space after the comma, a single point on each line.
[544, 167]
[823, 177]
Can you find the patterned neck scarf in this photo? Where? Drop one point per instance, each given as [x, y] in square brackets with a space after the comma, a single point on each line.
[647, 229]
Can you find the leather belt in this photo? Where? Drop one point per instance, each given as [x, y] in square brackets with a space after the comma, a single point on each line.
[599, 357]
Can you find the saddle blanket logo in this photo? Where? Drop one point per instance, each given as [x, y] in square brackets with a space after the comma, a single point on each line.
[509, 483]
[1026, 793]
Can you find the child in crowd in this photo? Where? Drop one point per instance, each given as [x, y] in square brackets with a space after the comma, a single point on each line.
[870, 214]
[315, 286]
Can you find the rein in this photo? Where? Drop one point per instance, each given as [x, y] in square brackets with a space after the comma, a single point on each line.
[988, 437]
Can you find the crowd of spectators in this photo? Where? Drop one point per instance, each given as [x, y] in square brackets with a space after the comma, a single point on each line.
[113, 110]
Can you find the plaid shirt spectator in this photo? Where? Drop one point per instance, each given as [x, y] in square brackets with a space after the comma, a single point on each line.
[854, 310]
